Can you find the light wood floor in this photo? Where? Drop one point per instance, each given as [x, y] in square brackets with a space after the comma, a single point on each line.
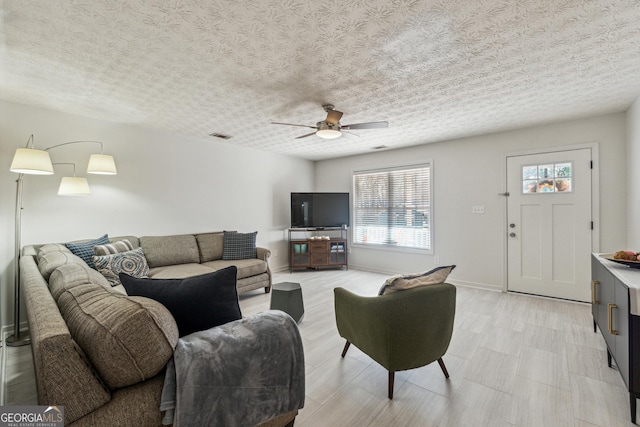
[514, 360]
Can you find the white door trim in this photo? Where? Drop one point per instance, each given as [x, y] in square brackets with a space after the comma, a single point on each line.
[595, 196]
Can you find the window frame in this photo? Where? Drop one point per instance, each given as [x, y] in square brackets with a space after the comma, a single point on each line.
[429, 214]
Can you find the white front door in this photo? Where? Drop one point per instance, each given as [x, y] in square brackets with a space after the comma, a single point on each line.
[549, 224]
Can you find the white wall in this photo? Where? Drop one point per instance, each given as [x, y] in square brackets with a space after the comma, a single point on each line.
[633, 176]
[166, 184]
[470, 171]
[174, 184]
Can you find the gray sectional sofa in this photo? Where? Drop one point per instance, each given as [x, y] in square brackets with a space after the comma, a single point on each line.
[101, 353]
[188, 255]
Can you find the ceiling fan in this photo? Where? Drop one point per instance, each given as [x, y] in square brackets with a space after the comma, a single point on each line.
[330, 128]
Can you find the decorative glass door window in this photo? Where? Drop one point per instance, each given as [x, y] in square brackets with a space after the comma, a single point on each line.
[547, 178]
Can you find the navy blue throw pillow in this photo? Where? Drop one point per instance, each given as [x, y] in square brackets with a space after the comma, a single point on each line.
[85, 249]
[196, 303]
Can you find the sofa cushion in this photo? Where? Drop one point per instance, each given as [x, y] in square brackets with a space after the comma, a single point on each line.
[246, 267]
[179, 271]
[115, 331]
[197, 303]
[407, 281]
[49, 261]
[135, 241]
[170, 250]
[210, 245]
[79, 273]
[85, 249]
[112, 248]
[239, 245]
[52, 247]
[131, 262]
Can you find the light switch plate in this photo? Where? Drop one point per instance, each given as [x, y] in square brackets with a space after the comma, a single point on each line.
[478, 209]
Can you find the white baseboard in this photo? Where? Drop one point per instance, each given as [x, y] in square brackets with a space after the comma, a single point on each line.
[372, 270]
[7, 330]
[281, 269]
[480, 285]
[3, 372]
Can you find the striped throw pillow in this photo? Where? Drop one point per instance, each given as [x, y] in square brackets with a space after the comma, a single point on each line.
[113, 248]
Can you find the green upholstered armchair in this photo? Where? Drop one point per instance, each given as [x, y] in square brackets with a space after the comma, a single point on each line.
[401, 330]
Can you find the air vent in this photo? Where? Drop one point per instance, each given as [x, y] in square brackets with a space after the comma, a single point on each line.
[379, 147]
[220, 135]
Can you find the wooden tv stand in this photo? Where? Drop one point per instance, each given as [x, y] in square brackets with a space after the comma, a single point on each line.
[315, 253]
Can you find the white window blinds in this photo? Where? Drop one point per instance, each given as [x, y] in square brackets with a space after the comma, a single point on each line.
[393, 207]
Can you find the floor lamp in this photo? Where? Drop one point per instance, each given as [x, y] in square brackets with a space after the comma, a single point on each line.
[31, 161]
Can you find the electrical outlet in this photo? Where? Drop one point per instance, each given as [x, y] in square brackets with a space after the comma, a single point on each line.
[436, 260]
[478, 209]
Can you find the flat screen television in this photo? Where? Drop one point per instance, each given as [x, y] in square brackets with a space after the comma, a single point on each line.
[319, 210]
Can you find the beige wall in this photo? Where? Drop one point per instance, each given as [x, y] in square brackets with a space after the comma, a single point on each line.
[470, 171]
[166, 184]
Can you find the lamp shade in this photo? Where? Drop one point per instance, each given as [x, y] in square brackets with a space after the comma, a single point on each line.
[102, 164]
[74, 186]
[31, 161]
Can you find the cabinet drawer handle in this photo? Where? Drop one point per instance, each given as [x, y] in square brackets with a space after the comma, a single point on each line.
[610, 319]
[594, 299]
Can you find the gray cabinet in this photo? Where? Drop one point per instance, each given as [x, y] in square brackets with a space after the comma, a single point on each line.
[620, 329]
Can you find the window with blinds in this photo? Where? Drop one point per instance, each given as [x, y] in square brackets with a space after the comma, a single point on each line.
[392, 207]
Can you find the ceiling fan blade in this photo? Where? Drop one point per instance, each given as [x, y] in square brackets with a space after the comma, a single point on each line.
[304, 136]
[333, 117]
[369, 125]
[350, 133]
[292, 124]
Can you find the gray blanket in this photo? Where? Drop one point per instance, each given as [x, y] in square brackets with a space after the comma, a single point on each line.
[238, 374]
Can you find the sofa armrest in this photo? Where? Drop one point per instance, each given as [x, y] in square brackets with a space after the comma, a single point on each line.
[263, 253]
[64, 376]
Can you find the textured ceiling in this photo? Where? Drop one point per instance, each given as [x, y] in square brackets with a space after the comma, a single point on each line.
[434, 69]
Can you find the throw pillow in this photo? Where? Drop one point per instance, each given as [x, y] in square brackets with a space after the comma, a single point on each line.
[131, 262]
[113, 248]
[196, 303]
[239, 245]
[85, 249]
[408, 281]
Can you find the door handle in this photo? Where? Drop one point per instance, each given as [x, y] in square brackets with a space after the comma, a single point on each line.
[610, 318]
[512, 234]
[594, 299]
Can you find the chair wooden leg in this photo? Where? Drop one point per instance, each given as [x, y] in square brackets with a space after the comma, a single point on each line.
[391, 378]
[444, 368]
[346, 347]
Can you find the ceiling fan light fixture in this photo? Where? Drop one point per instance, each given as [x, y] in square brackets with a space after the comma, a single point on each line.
[327, 131]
